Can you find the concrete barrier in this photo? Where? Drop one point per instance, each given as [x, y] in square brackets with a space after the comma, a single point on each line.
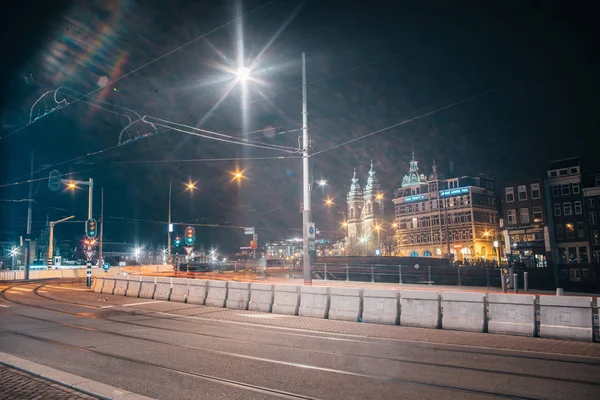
[345, 304]
[420, 308]
[463, 311]
[133, 287]
[566, 317]
[217, 293]
[147, 287]
[179, 291]
[238, 295]
[97, 284]
[261, 297]
[163, 289]
[197, 291]
[380, 306]
[511, 314]
[109, 285]
[286, 299]
[121, 286]
[314, 301]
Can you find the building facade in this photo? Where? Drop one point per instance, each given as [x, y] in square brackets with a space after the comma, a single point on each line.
[365, 216]
[455, 218]
[591, 195]
[525, 231]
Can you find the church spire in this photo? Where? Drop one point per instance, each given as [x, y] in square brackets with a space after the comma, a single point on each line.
[372, 181]
[413, 178]
[355, 189]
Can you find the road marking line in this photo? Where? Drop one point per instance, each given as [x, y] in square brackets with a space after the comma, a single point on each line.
[139, 304]
[21, 289]
[66, 288]
[3, 305]
[106, 306]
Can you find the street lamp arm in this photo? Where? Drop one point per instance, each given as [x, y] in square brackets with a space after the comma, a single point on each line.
[64, 219]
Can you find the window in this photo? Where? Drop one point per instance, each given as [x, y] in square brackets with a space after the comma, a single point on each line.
[574, 275]
[564, 190]
[591, 203]
[570, 228]
[560, 232]
[562, 255]
[572, 254]
[596, 237]
[580, 230]
[563, 172]
[553, 174]
[524, 215]
[574, 170]
[522, 192]
[593, 218]
[535, 191]
[577, 206]
[597, 256]
[575, 188]
[510, 194]
[557, 210]
[511, 216]
[537, 214]
[583, 255]
[555, 191]
[567, 209]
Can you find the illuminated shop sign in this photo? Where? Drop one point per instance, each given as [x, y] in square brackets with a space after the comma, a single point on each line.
[414, 198]
[453, 192]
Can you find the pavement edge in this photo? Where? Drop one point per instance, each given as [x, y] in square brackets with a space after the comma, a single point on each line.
[84, 385]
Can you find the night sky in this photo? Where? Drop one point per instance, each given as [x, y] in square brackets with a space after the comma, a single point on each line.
[370, 65]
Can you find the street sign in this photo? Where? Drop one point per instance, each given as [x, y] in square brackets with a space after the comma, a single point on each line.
[91, 228]
[89, 254]
[190, 235]
[311, 230]
[189, 249]
[248, 231]
[106, 266]
[54, 181]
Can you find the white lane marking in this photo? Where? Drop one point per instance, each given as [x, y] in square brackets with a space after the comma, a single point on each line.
[3, 305]
[138, 304]
[67, 288]
[106, 306]
[21, 289]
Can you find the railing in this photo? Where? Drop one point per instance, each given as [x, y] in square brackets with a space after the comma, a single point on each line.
[405, 274]
[51, 273]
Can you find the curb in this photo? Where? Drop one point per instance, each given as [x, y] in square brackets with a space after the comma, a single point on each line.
[81, 384]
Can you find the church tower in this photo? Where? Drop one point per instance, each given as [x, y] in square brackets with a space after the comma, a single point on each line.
[373, 213]
[355, 202]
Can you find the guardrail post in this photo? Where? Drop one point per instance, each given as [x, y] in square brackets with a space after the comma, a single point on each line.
[372, 273]
[458, 268]
[347, 274]
[429, 274]
[516, 281]
[525, 281]
[400, 274]
[325, 273]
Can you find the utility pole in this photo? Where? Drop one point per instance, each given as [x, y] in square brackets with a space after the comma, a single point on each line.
[101, 227]
[29, 215]
[51, 237]
[306, 212]
[90, 197]
[169, 228]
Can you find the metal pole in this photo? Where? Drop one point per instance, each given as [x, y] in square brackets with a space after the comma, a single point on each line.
[90, 197]
[429, 274]
[525, 281]
[516, 281]
[400, 274]
[347, 273]
[101, 227]
[372, 274]
[458, 268]
[169, 228]
[306, 217]
[30, 206]
[503, 281]
[27, 242]
[325, 273]
[50, 247]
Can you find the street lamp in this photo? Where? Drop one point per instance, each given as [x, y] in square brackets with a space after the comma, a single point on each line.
[51, 238]
[243, 73]
[328, 202]
[188, 186]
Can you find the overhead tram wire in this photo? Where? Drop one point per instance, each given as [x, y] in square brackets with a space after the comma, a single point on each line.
[451, 105]
[155, 60]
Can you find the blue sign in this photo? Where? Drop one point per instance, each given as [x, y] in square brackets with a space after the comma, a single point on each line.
[414, 198]
[454, 192]
[106, 266]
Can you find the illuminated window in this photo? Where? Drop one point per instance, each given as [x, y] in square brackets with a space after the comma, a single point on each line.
[510, 194]
[577, 206]
[427, 253]
[522, 192]
[414, 254]
[570, 228]
[567, 209]
[537, 214]
[511, 216]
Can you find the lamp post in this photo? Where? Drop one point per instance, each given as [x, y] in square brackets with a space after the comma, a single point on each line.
[51, 237]
[188, 186]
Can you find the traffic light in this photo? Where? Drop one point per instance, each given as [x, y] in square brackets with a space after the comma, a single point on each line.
[177, 241]
[90, 228]
[190, 235]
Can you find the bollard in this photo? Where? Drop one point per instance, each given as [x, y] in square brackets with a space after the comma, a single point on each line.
[559, 292]
[400, 274]
[458, 268]
[429, 274]
[347, 274]
[372, 274]
[503, 282]
[516, 283]
[487, 278]
[525, 281]
[325, 273]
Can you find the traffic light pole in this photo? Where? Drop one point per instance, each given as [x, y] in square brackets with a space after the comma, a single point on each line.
[169, 229]
[51, 236]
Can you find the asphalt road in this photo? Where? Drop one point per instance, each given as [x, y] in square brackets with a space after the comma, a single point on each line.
[169, 356]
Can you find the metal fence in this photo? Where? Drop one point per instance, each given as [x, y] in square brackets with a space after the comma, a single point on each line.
[49, 274]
